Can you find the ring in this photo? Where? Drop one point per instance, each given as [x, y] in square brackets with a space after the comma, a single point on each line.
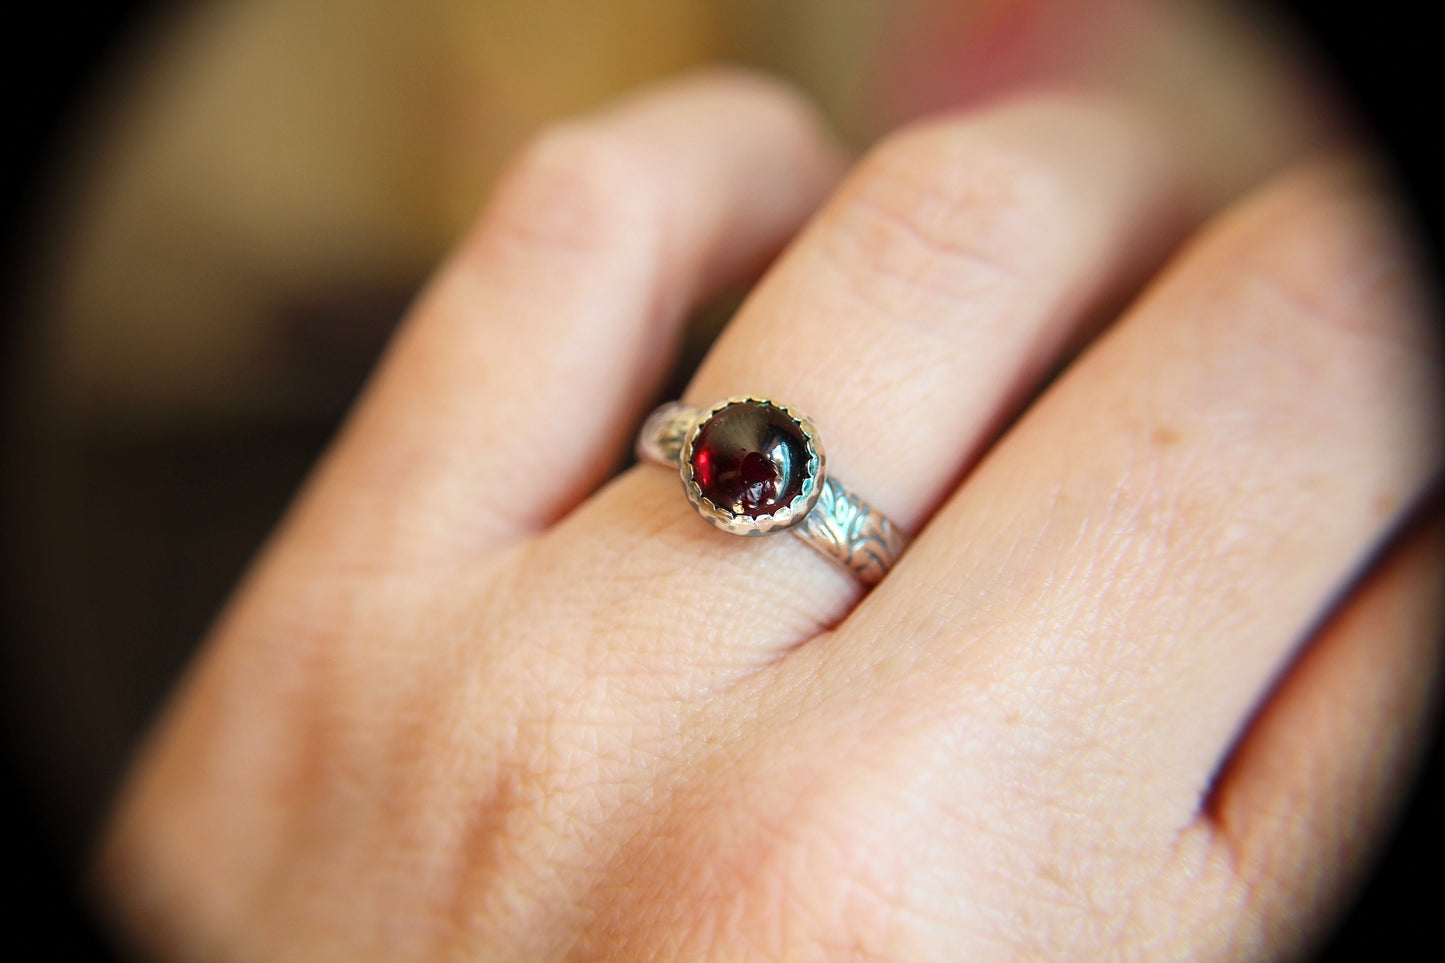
[751, 466]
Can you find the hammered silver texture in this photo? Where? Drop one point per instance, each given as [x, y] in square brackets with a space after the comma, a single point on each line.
[852, 533]
[841, 526]
[660, 440]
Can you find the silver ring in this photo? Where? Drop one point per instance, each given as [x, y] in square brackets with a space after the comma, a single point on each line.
[751, 466]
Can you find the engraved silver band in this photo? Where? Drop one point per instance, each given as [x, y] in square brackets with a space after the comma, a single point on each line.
[839, 524]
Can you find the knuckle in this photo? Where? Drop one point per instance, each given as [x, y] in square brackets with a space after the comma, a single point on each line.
[944, 205]
[1326, 253]
[576, 189]
[772, 102]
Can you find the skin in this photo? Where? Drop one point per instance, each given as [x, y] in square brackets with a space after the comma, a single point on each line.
[1147, 684]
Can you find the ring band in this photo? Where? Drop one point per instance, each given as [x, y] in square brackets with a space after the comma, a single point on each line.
[752, 466]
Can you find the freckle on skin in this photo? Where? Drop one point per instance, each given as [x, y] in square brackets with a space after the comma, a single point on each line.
[1385, 505]
[1164, 436]
[1050, 872]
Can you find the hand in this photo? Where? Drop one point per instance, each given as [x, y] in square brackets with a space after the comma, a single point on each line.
[1143, 687]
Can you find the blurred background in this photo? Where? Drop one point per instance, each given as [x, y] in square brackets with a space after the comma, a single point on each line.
[224, 207]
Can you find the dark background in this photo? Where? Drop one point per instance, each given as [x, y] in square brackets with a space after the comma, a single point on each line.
[1386, 55]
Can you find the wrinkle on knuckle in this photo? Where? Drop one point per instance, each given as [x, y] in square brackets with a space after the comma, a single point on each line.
[930, 212]
[1335, 259]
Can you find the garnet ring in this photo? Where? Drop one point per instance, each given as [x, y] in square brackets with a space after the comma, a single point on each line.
[751, 466]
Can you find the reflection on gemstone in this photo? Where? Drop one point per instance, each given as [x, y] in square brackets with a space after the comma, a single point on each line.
[750, 458]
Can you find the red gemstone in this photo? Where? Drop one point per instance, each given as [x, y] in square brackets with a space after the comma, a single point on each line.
[750, 458]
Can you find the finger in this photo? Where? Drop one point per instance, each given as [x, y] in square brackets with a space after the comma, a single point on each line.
[1138, 558]
[1312, 786]
[924, 302]
[511, 390]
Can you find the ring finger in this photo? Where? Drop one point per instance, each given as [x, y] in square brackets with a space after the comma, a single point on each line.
[909, 321]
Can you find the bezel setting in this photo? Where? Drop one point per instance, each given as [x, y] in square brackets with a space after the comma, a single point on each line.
[783, 518]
